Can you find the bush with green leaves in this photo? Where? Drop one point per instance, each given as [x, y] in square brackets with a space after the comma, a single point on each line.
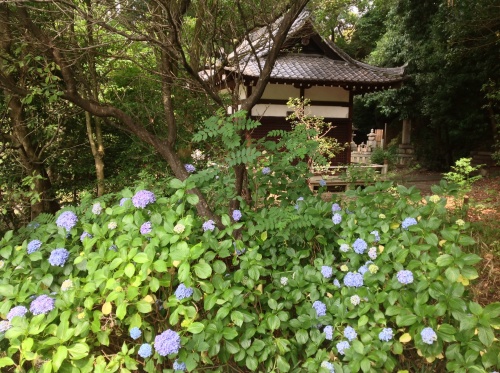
[374, 281]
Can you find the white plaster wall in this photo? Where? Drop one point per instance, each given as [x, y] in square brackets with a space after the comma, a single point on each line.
[261, 110]
[319, 93]
[280, 92]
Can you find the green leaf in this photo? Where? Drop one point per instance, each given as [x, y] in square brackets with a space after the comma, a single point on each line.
[301, 336]
[485, 335]
[160, 266]
[196, 328]
[129, 270]
[282, 364]
[203, 269]
[273, 322]
[6, 291]
[251, 363]
[219, 267]
[141, 258]
[59, 356]
[179, 251]
[444, 260]
[406, 320]
[79, 351]
[121, 310]
[229, 333]
[143, 306]
[192, 199]
[365, 365]
[237, 318]
[363, 320]
[6, 361]
[176, 184]
[452, 274]
[184, 272]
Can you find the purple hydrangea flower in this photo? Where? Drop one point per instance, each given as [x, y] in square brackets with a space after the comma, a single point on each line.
[34, 246]
[236, 215]
[189, 168]
[67, 220]
[143, 198]
[328, 330]
[42, 304]
[322, 183]
[428, 335]
[58, 257]
[386, 335]
[350, 333]
[320, 308]
[372, 253]
[16, 311]
[266, 171]
[168, 342]
[4, 326]
[359, 246]
[377, 235]
[342, 346]
[408, 222]
[327, 271]
[336, 207]
[84, 235]
[405, 277]
[337, 218]
[146, 228]
[145, 350]
[209, 225]
[179, 365]
[123, 200]
[352, 279]
[135, 333]
[183, 292]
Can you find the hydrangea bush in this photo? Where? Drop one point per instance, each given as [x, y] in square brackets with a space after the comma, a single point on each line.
[284, 289]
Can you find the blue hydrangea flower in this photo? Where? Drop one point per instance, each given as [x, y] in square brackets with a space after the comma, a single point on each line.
[239, 252]
[344, 248]
[143, 198]
[42, 304]
[408, 222]
[386, 335]
[135, 333]
[350, 333]
[405, 277]
[337, 218]
[179, 365]
[145, 350]
[342, 346]
[327, 271]
[322, 182]
[96, 208]
[58, 257]
[236, 215]
[123, 200]
[377, 235]
[328, 365]
[209, 225]
[183, 292]
[328, 330]
[84, 235]
[168, 342]
[336, 283]
[428, 335]
[16, 311]
[189, 168]
[266, 171]
[146, 228]
[363, 269]
[320, 308]
[67, 220]
[336, 207]
[113, 247]
[4, 326]
[34, 246]
[352, 279]
[359, 246]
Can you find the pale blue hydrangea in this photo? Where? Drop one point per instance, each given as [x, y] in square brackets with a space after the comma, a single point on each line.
[189, 168]
[67, 220]
[363, 269]
[336, 207]
[179, 365]
[4, 326]
[266, 171]
[320, 308]
[183, 292]
[209, 225]
[405, 277]
[429, 336]
[377, 235]
[113, 248]
[344, 248]
[96, 208]
[327, 271]
[168, 342]
[145, 350]
[359, 246]
[146, 228]
[239, 252]
[123, 200]
[42, 304]
[143, 198]
[17, 311]
[350, 333]
[328, 365]
[336, 283]
[386, 335]
[33, 225]
[34, 246]
[236, 215]
[355, 300]
[58, 257]
[135, 333]
[372, 253]
[342, 346]
[328, 330]
[84, 235]
[408, 222]
[337, 218]
[322, 183]
[352, 279]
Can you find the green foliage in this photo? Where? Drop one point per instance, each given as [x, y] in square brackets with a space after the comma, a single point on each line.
[461, 174]
[380, 156]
